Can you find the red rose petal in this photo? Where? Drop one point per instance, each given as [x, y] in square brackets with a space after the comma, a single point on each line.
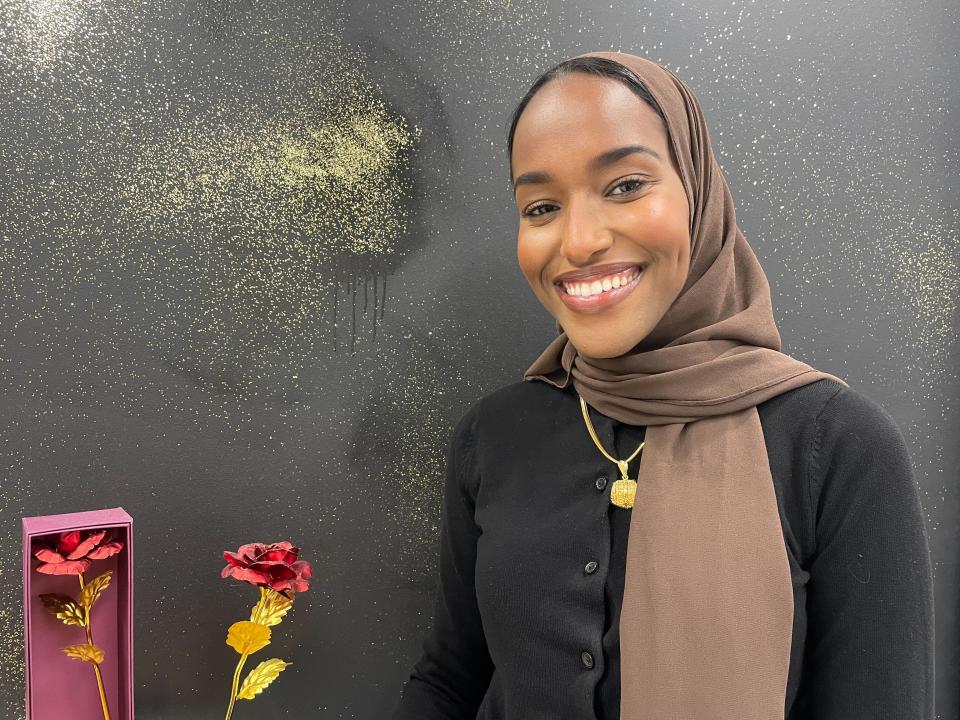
[68, 542]
[275, 571]
[250, 576]
[292, 585]
[69, 567]
[48, 556]
[88, 544]
[273, 556]
[302, 569]
[105, 551]
[249, 550]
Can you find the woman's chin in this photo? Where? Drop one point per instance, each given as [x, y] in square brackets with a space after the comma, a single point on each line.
[605, 346]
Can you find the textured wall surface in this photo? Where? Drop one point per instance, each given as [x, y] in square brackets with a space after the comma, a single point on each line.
[256, 260]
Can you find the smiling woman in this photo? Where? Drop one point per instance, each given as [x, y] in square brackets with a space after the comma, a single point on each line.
[765, 555]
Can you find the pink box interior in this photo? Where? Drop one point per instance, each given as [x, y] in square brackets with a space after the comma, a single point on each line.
[60, 687]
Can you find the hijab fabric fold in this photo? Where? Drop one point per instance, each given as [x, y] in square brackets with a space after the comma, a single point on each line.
[707, 616]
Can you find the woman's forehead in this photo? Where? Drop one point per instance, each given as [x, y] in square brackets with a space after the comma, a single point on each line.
[580, 111]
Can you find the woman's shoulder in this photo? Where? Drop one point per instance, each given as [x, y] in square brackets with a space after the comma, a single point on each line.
[504, 410]
[854, 447]
[829, 409]
[520, 398]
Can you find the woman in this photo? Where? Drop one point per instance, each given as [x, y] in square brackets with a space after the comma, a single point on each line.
[667, 518]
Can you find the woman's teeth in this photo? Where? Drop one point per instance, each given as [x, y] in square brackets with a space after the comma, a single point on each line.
[595, 287]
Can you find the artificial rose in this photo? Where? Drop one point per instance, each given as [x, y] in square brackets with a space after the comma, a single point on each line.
[74, 552]
[274, 566]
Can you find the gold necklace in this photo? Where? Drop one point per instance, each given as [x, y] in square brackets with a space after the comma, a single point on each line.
[624, 490]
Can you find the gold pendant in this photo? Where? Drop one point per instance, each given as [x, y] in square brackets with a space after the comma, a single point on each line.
[623, 492]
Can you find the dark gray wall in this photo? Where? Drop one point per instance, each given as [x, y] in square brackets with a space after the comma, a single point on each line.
[257, 259]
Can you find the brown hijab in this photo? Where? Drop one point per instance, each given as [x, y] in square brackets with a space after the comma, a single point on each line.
[707, 616]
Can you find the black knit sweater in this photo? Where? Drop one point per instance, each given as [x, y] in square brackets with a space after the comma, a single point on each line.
[532, 561]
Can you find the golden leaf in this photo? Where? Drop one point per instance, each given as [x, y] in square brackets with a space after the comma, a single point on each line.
[247, 637]
[261, 676]
[64, 608]
[271, 608]
[87, 653]
[91, 591]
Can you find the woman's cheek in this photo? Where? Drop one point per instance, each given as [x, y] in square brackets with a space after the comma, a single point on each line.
[529, 257]
[658, 227]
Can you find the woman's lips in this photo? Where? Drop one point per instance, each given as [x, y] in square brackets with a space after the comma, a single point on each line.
[601, 301]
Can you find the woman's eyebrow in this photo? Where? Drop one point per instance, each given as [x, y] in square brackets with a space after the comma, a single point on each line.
[607, 157]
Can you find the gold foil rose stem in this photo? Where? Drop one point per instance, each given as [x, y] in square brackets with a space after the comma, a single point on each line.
[233, 686]
[87, 598]
[271, 608]
[250, 636]
[246, 637]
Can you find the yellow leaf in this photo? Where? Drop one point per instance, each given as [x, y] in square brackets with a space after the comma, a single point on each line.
[91, 591]
[64, 608]
[247, 637]
[87, 653]
[271, 608]
[261, 676]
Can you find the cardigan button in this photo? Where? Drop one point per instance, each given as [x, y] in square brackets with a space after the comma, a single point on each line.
[601, 482]
[587, 660]
[590, 567]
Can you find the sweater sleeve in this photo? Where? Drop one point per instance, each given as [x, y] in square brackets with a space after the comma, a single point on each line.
[870, 642]
[452, 674]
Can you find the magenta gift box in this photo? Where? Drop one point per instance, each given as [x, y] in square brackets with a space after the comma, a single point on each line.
[57, 686]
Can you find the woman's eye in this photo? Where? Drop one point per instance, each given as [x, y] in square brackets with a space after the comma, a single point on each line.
[532, 210]
[630, 185]
[633, 183]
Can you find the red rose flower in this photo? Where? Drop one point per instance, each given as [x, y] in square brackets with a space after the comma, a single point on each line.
[74, 552]
[274, 566]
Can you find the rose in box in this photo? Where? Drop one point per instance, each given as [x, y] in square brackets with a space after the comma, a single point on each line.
[73, 553]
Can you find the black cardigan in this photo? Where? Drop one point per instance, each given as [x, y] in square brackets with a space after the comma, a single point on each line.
[532, 559]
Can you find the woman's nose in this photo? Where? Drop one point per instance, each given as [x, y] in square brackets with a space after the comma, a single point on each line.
[583, 232]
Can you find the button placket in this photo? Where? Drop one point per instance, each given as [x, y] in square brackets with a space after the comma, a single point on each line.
[607, 471]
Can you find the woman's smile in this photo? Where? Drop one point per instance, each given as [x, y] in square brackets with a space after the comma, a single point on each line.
[596, 294]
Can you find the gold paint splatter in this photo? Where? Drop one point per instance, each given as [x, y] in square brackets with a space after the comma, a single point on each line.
[928, 280]
[273, 175]
[14, 491]
[909, 272]
[233, 212]
[46, 30]
[12, 664]
[410, 412]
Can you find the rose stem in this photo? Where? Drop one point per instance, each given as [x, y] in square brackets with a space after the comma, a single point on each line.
[96, 667]
[236, 682]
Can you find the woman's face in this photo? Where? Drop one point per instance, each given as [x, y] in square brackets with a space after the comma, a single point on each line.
[600, 198]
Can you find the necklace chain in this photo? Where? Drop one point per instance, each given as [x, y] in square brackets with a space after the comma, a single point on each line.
[622, 464]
